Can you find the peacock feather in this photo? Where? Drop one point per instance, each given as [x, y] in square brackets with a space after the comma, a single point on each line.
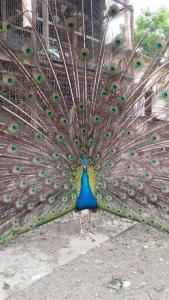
[73, 134]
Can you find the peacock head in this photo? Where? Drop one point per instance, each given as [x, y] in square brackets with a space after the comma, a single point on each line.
[84, 163]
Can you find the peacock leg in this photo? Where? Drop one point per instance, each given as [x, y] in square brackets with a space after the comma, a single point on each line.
[90, 222]
[81, 225]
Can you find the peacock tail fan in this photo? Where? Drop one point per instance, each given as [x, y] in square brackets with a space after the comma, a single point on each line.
[73, 134]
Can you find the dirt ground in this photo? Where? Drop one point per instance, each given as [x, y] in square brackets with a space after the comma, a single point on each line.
[119, 260]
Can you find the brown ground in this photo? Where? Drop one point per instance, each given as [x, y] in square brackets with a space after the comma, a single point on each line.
[53, 263]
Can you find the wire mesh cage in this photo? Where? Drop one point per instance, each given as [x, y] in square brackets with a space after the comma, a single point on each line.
[24, 15]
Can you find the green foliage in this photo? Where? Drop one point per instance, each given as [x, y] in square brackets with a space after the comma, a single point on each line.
[158, 22]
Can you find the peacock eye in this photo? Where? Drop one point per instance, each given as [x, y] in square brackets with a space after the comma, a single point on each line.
[84, 54]
[7, 198]
[129, 167]
[48, 181]
[14, 128]
[96, 157]
[112, 69]
[39, 137]
[158, 46]
[82, 107]
[107, 135]
[155, 138]
[138, 64]
[30, 97]
[132, 154]
[42, 198]
[122, 99]
[60, 166]
[90, 142]
[60, 138]
[77, 143]
[49, 113]
[113, 10]
[109, 164]
[83, 132]
[154, 162]
[39, 79]
[71, 23]
[27, 50]
[97, 167]
[148, 175]
[83, 151]
[97, 120]
[56, 97]
[73, 167]
[165, 188]
[51, 200]
[6, 26]
[65, 121]
[65, 173]
[114, 87]
[19, 204]
[23, 184]
[42, 173]
[128, 133]
[9, 27]
[114, 110]
[104, 94]
[17, 169]
[71, 157]
[117, 43]
[165, 95]
[56, 155]
[12, 149]
[111, 151]
[30, 206]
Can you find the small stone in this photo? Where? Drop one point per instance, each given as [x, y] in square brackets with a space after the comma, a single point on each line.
[78, 281]
[143, 284]
[159, 288]
[6, 286]
[115, 284]
[126, 284]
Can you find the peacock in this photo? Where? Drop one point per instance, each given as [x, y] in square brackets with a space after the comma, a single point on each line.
[83, 118]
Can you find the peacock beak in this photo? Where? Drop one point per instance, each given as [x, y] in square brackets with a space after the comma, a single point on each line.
[84, 164]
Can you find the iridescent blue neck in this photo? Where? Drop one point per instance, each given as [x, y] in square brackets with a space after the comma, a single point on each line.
[86, 199]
